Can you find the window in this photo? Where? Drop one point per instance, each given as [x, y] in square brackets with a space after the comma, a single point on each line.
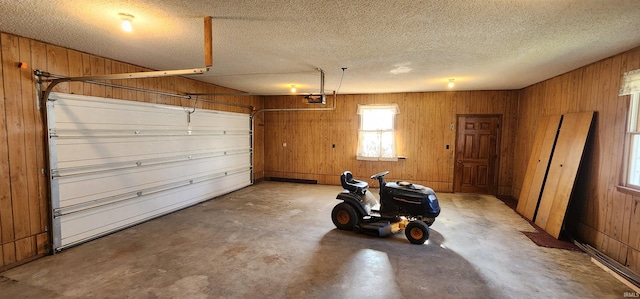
[633, 144]
[376, 137]
[631, 86]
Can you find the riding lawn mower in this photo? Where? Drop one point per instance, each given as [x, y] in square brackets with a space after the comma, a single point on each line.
[402, 205]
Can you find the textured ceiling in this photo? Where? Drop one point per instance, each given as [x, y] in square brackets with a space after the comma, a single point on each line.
[265, 46]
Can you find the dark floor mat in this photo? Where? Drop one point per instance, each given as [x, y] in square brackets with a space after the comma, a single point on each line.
[539, 237]
[546, 240]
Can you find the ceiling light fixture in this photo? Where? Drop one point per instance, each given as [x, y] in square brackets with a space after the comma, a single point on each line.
[451, 83]
[293, 88]
[126, 21]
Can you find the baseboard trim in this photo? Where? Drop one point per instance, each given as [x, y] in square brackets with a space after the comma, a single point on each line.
[288, 180]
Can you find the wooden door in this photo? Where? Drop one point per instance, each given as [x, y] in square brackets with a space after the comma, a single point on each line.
[476, 154]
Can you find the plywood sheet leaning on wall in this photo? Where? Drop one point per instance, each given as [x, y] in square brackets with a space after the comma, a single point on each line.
[562, 171]
[538, 165]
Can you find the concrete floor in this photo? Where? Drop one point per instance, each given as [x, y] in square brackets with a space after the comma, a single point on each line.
[276, 240]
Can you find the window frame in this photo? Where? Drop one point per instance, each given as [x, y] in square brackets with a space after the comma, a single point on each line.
[631, 129]
[394, 110]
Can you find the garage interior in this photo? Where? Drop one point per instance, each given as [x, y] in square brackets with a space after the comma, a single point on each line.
[234, 175]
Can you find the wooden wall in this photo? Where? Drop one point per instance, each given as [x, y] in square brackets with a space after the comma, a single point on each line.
[599, 214]
[423, 128]
[24, 211]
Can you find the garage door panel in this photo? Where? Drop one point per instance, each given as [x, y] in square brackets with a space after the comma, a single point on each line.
[86, 113]
[80, 111]
[117, 163]
[97, 151]
[216, 121]
[88, 224]
[78, 189]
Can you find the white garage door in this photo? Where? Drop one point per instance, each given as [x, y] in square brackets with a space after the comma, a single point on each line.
[117, 163]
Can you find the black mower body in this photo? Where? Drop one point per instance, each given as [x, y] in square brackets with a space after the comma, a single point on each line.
[410, 199]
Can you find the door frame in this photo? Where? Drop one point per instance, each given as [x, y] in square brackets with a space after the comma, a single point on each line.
[496, 162]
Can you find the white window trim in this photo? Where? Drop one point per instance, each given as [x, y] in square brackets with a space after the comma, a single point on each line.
[631, 130]
[631, 86]
[395, 110]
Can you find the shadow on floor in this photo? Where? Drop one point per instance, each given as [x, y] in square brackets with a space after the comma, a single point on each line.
[350, 265]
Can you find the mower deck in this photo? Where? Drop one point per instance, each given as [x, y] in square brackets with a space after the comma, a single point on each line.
[380, 227]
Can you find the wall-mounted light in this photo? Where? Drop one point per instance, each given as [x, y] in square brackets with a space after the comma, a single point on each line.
[126, 21]
[451, 83]
[293, 88]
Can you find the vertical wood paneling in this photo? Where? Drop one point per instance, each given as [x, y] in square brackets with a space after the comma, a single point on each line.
[130, 94]
[75, 70]
[42, 243]
[25, 248]
[19, 227]
[29, 113]
[86, 71]
[108, 93]
[117, 68]
[39, 61]
[9, 253]
[423, 131]
[591, 99]
[605, 218]
[626, 218]
[604, 108]
[618, 205]
[97, 68]
[24, 206]
[57, 63]
[634, 223]
[5, 186]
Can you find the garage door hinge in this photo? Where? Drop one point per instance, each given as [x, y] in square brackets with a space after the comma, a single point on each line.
[53, 133]
[57, 213]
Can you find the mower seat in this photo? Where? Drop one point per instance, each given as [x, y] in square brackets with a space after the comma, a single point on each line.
[351, 184]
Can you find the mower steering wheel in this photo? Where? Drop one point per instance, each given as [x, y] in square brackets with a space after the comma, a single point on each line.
[377, 175]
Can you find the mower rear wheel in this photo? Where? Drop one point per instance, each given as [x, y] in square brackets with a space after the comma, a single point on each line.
[417, 232]
[344, 216]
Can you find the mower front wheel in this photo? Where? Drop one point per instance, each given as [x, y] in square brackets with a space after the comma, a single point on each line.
[417, 232]
[344, 216]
